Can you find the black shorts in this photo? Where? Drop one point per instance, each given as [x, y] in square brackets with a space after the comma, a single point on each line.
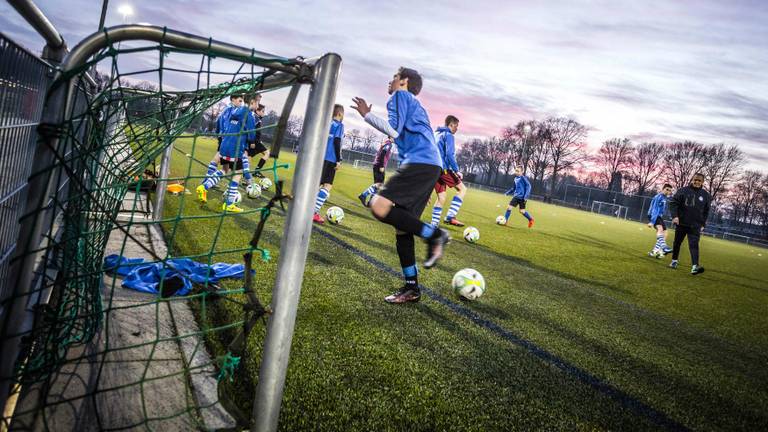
[411, 186]
[255, 148]
[378, 176]
[660, 221]
[234, 165]
[519, 202]
[329, 172]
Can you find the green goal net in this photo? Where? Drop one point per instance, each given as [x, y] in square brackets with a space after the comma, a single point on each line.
[145, 307]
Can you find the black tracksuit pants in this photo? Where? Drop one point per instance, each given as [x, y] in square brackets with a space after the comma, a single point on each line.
[694, 234]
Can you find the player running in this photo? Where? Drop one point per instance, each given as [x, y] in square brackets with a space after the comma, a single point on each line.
[402, 199]
[450, 177]
[520, 193]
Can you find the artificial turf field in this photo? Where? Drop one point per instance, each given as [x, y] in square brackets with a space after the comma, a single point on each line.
[578, 329]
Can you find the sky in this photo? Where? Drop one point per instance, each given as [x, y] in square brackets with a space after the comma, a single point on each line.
[650, 70]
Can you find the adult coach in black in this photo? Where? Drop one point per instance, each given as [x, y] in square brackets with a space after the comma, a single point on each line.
[690, 209]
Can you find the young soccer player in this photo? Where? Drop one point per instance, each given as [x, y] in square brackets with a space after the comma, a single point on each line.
[332, 161]
[257, 147]
[450, 177]
[690, 210]
[656, 220]
[379, 167]
[520, 193]
[233, 121]
[403, 197]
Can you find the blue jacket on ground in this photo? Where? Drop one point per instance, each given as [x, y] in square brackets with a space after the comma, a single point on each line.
[447, 147]
[333, 146]
[658, 207]
[236, 120]
[146, 277]
[415, 141]
[522, 188]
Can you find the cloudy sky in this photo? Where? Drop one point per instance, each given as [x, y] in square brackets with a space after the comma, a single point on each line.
[651, 70]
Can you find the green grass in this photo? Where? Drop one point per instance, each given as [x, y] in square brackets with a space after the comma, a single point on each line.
[593, 310]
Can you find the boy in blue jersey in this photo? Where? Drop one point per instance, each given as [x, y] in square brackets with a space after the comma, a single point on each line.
[656, 220]
[332, 161]
[234, 121]
[450, 177]
[403, 197]
[520, 193]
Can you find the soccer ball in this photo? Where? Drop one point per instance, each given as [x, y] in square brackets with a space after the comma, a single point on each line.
[265, 183]
[335, 215]
[253, 191]
[471, 234]
[501, 220]
[238, 197]
[468, 284]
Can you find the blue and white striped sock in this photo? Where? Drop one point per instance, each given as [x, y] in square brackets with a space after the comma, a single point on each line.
[212, 168]
[436, 212]
[247, 168]
[660, 242]
[212, 179]
[231, 191]
[456, 203]
[370, 191]
[322, 195]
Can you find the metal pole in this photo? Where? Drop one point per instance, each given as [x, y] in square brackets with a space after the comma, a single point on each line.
[104, 6]
[294, 245]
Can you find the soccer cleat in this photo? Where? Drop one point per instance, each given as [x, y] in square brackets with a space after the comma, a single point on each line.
[436, 247]
[652, 253]
[667, 250]
[316, 218]
[530, 223]
[258, 174]
[202, 194]
[453, 221]
[405, 294]
[697, 270]
[363, 200]
[673, 264]
[232, 208]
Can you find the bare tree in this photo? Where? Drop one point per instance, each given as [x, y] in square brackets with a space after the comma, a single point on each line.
[353, 137]
[510, 148]
[682, 161]
[369, 140]
[645, 165]
[295, 126]
[565, 145]
[721, 166]
[612, 159]
[746, 196]
[488, 156]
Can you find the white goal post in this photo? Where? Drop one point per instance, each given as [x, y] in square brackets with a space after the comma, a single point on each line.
[610, 209]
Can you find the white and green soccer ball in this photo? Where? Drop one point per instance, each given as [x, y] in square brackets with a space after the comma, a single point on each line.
[468, 284]
[238, 197]
[335, 215]
[501, 220]
[471, 234]
[265, 183]
[253, 190]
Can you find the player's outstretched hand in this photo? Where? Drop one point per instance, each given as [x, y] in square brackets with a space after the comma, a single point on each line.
[361, 106]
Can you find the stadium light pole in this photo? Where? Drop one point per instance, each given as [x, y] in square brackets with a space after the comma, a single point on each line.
[526, 133]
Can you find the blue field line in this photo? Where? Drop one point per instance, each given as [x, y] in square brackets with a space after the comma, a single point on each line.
[585, 377]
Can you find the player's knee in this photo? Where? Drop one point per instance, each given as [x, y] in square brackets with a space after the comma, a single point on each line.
[522, 211]
[327, 186]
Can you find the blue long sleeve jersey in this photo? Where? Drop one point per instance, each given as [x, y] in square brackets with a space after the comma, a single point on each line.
[522, 188]
[658, 207]
[238, 126]
[333, 146]
[415, 140]
[447, 147]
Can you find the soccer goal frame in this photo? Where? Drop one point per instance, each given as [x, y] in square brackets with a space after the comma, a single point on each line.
[610, 209]
[320, 74]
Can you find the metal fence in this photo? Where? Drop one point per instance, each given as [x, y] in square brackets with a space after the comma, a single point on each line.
[24, 79]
